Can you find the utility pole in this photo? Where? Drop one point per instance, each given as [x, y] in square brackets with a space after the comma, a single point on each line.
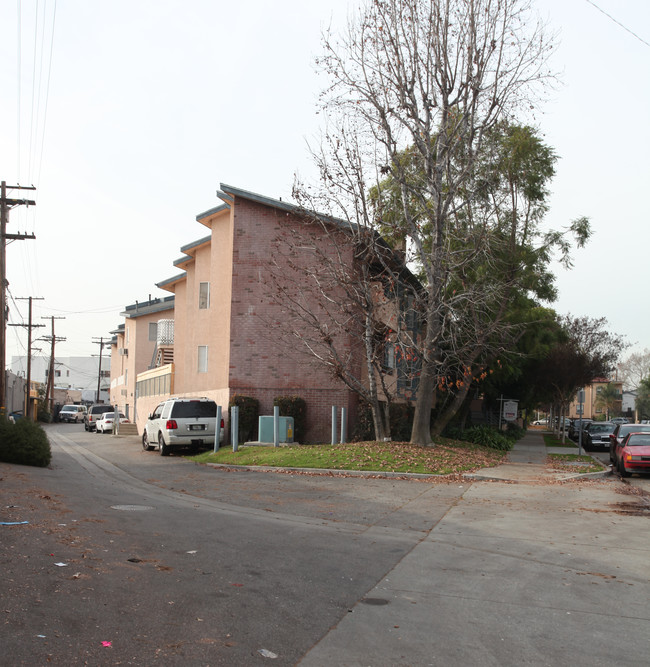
[49, 389]
[5, 206]
[29, 326]
[101, 344]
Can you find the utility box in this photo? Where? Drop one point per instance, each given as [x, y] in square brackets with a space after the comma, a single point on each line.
[265, 429]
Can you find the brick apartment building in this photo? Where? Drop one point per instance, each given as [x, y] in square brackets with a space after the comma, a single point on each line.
[225, 321]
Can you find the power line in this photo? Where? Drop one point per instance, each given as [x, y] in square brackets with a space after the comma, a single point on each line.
[47, 96]
[18, 77]
[609, 16]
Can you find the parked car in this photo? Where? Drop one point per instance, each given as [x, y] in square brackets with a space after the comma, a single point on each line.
[616, 438]
[182, 422]
[105, 423]
[540, 422]
[633, 454]
[620, 420]
[94, 413]
[72, 413]
[574, 427]
[595, 435]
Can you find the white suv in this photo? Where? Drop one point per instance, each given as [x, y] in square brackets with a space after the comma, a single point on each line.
[182, 422]
[72, 413]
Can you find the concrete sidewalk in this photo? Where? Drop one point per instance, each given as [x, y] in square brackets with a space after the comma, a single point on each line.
[527, 462]
[513, 574]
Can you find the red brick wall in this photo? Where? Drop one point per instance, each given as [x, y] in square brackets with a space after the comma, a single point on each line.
[263, 363]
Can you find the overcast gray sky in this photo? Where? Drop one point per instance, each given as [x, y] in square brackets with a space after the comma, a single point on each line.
[128, 120]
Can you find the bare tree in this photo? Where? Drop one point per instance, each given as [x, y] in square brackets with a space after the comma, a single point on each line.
[331, 278]
[634, 369]
[433, 76]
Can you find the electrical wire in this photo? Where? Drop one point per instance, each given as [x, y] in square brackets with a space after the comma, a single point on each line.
[47, 94]
[18, 77]
[609, 16]
[32, 123]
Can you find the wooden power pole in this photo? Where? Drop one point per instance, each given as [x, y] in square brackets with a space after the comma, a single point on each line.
[49, 387]
[6, 205]
[30, 325]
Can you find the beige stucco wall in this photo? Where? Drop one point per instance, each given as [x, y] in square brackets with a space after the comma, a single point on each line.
[210, 263]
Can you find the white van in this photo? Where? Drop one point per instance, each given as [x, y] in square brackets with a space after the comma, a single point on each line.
[72, 413]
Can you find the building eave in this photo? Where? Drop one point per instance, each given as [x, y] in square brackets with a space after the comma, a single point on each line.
[171, 282]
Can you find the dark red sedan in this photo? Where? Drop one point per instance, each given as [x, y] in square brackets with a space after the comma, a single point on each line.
[633, 454]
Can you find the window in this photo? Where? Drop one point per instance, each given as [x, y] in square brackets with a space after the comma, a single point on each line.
[203, 359]
[389, 356]
[204, 295]
[153, 331]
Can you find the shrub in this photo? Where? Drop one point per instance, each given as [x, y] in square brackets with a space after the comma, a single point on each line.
[489, 437]
[401, 421]
[363, 429]
[24, 442]
[294, 406]
[43, 414]
[249, 410]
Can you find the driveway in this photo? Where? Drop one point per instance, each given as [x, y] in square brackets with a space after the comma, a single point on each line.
[132, 558]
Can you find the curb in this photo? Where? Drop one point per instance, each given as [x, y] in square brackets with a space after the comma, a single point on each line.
[543, 476]
[373, 474]
[326, 472]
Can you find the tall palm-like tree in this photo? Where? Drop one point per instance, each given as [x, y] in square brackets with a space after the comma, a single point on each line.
[608, 398]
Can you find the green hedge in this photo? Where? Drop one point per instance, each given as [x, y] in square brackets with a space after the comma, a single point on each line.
[490, 437]
[296, 407]
[24, 442]
[249, 410]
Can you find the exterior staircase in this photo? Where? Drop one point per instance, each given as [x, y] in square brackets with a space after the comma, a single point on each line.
[128, 429]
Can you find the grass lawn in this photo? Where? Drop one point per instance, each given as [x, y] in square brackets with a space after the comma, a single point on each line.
[574, 463]
[551, 441]
[445, 458]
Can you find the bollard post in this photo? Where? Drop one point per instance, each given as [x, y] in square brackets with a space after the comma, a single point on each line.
[344, 425]
[276, 426]
[217, 429]
[333, 424]
[234, 427]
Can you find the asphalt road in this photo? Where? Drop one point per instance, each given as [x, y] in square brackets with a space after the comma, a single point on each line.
[130, 558]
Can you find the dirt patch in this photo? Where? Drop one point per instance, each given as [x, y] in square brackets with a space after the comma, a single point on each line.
[641, 508]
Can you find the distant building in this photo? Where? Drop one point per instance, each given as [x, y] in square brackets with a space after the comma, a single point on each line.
[629, 404]
[14, 392]
[591, 408]
[81, 373]
[136, 345]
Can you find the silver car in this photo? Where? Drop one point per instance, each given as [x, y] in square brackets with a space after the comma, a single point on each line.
[182, 422]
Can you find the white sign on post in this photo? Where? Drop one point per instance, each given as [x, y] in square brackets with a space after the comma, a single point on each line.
[510, 410]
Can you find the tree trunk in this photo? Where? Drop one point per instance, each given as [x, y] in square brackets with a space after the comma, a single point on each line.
[377, 420]
[387, 431]
[452, 409]
[421, 431]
